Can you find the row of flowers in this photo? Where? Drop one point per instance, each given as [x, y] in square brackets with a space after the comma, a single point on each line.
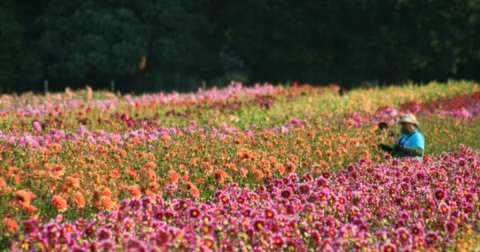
[57, 104]
[208, 107]
[398, 205]
[466, 107]
[463, 106]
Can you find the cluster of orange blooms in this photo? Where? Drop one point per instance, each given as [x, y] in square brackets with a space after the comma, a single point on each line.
[78, 177]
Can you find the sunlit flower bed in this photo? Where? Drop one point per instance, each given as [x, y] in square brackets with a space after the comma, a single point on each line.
[396, 205]
[80, 154]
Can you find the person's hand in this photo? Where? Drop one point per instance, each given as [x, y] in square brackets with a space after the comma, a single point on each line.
[385, 147]
[396, 147]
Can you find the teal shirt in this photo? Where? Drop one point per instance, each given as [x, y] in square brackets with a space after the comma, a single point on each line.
[413, 140]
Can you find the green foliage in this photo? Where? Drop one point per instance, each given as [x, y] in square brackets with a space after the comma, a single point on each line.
[390, 41]
[109, 38]
[11, 40]
[17, 64]
[86, 37]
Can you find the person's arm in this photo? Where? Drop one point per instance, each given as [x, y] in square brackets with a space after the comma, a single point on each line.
[389, 148]
[386, 147]
[408, 151]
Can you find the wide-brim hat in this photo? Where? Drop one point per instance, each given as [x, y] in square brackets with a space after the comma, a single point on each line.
[409, 118]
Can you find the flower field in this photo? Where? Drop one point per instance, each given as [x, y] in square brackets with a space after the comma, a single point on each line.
[258, 168]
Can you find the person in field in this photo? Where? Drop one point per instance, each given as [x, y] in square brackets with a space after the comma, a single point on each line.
[411, 142]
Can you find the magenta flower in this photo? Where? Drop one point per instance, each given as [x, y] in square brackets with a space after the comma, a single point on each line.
[286, 194]
[258, 225]
[269, 214]
[389, 247]
[247, 212]
[293, 177]
[403, 235]
[450, 227]
[278, 241]
[304, 188]
[431, 238]
[420, 176]
[37, 126]
[444, 209]
[416, 230]
[135, 204]
[290, 209]
[128, 224]
[321, 182]
[104, 234]
[327, 243]
[194, 212]
[439, 194]
[107, 245]
[135, 245]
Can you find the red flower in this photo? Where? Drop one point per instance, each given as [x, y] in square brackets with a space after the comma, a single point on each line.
[389, 248]
[258, 225]
[440, 194]
[431, 238]
[269, 214]
[193, 212]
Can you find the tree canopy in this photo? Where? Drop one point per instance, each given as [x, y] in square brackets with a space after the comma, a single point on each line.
[149, 45]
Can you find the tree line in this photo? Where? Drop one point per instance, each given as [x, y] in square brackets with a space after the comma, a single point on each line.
[152, 45]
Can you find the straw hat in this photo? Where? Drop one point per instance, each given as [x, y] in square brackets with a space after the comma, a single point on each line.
[409, 118]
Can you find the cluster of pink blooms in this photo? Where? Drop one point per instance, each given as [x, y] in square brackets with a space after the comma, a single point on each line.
[41, 138]
[464, 107]
[398, 205]
[113, 103]
[463, 113]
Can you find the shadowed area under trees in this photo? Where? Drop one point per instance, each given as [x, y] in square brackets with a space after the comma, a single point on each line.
[164, 45]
